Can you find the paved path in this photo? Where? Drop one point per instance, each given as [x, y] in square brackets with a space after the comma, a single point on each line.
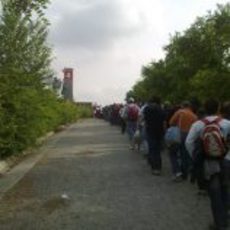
[89, 180]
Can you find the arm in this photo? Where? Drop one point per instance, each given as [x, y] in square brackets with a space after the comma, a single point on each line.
[193, 135]
[124, 113]
[174, 119]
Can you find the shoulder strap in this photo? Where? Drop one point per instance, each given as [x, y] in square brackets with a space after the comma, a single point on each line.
[207, 122]
[218, 119]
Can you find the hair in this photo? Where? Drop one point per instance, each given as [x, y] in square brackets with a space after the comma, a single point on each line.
[186, 104]
[130, 100]
[225, 109]
[167, 104]
[155, 99]
[211, 106]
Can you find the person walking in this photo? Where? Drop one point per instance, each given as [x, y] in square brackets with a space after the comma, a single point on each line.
[173, 147]
[142, 126]
[154, 127]
[184, 118]
[122, 120]
[131, 115]
[211, 133]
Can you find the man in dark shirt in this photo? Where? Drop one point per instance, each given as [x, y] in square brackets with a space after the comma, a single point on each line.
[154, 120]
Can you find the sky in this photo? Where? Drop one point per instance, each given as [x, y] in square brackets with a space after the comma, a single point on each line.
[108, 41]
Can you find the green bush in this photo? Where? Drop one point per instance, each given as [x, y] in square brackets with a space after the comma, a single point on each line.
[84, 111]
[27, 110]
[29, 114]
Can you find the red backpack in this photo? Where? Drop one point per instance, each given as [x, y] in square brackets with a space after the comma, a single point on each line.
[213, 140]
[133, 112]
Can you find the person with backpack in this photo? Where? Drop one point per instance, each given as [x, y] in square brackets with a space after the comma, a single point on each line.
[131, 115]
[209, 136]
[154, 127]
[225, 112]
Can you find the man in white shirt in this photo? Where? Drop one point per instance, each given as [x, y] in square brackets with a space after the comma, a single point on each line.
[215, 170]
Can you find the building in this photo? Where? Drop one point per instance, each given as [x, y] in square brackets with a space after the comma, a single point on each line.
[67, 90]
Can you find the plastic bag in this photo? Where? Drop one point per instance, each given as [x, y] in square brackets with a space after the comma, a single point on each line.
[172, 136]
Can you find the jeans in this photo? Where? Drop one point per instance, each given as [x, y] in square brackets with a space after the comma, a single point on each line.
[154, 153]
[174, 158]
[144, 140]
[218, 188]
[131, 127]
[123, 125]
[186, 161]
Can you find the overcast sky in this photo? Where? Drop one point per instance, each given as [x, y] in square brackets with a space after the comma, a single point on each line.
[108, 41]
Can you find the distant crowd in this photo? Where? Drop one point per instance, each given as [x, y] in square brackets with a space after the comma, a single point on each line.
[197, 138]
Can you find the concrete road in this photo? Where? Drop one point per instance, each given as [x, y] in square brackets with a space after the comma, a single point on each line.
[88, 179]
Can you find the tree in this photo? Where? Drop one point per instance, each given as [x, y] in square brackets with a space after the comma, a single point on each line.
[24, 64]
[196, 62]
[23, 48]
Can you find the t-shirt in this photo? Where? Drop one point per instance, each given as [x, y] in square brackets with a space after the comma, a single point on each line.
[183, 118]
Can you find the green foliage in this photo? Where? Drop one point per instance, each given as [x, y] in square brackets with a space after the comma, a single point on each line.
[29, 114]
[27, 109]
[196, 62]
[210, 83]
[84, 111]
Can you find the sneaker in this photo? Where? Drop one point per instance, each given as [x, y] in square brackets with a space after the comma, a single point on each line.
[178, 177]
[214, 227]
[179, 174]
[156, 172]
[131, 147]
[202, 192]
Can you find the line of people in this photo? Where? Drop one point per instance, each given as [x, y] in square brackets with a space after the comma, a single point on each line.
[190, 154]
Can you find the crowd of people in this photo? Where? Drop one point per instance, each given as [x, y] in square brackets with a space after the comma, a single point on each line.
[196, 138]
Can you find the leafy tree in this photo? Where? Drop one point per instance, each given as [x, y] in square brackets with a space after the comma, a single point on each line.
[196, 62]
[27, 109]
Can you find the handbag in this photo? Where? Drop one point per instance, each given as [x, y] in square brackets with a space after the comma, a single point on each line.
[172, 135]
